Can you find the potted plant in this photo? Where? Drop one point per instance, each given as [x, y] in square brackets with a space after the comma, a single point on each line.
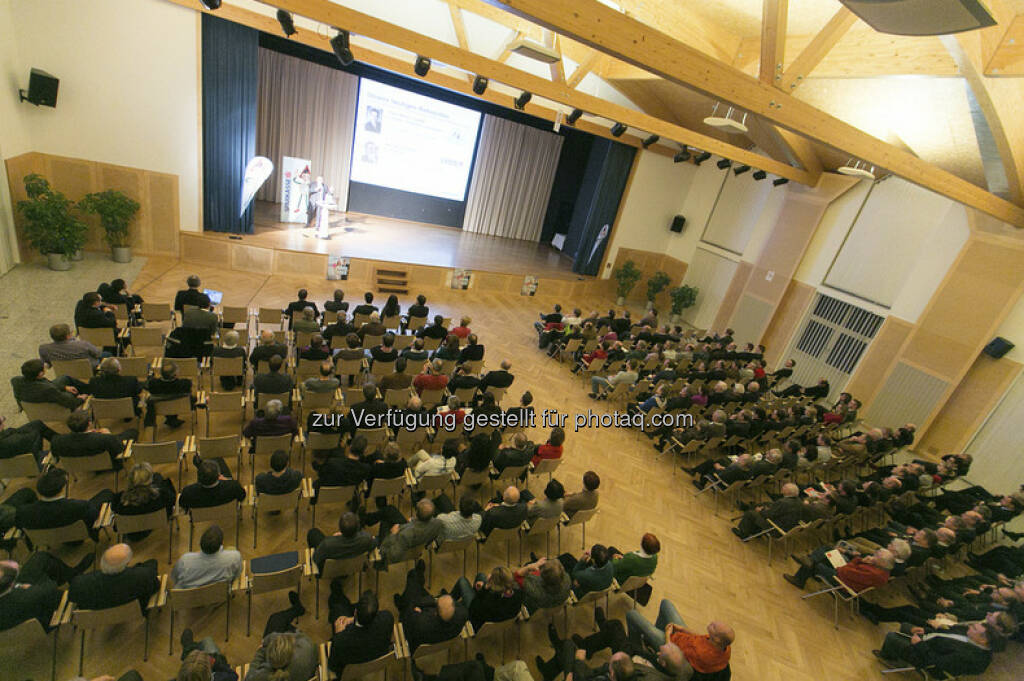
[626, 278]
[116, 210]
[655, 285]
[682, 297]
[50, 224]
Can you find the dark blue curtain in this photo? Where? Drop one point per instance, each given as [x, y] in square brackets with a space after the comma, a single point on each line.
[230, 83]
[598, 200]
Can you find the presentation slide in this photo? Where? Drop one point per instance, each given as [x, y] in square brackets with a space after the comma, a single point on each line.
[413, 143]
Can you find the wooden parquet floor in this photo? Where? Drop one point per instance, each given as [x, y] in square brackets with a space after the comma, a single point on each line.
[703, 569]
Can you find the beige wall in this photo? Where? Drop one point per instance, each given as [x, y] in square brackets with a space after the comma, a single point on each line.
[128, 93]
[13, 140]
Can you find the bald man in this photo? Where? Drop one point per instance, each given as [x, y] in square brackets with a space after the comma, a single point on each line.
[510, 513]
[115, 583]
[705, 653]
[424, 618]
[501, 378]
[662, 664]
[267, 348]
[786, 513]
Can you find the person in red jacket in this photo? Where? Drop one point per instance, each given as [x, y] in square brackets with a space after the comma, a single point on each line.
[552, 449]
[859, 573]
[432, 379]
[600, 352]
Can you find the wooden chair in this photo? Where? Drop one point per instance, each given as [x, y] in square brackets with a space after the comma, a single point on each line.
[101, 338]
[362, 670]
[307, 368]
[157, 453]
[260, 399]
[314, 440]
[119, 409]
[389, 487]
[546, 466]
[371, 341]
[145, 522]
[359, 319]
[348, 367]
[630, 586]
[146, 340]
[508, 476]
[580, 518]
[222, 403]
[497, 535]
[221, 447]
[48, 412]
[330, 495]
[403, 342]
[270, 503]
[592, 597]
[499, 394]
[19, 644]
[81, 465]
[839, 592]
[428, 483]
[265, 445]
[225, 366]
[213, 594]
[392, 322]
[225, 515]
[447, 547]
[397, 397]
[465, 395]
[490, 630]
[270, 315]
[430, 649]
[128, 613]
[139, 367]
[257, 583]
[320, 401]
[21, 466]
[415, 323]
[55, 537]
[235, 315]
[374, 436]
[179, 406]
[334, 568]
[381, 369]
[431, 344]
[80, 369]
[432, 398]
[157, 312]
[540, 526]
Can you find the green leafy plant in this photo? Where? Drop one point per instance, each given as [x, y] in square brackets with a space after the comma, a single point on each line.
[116, 211]
[656, 284]
[626, 277]
[683, 297]
[50, 224]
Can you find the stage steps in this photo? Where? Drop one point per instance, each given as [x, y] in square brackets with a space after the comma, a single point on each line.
[391, 280]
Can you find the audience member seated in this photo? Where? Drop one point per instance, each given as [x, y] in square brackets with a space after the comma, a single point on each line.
[212, 488]
[316, 351]
[592, 571]
[706, 653]
[415, 352]
[548, 507]
[522, 415]
[300, 306]
[325, 382]
[201, 317]
[461, 524]
[362, 632]
[273, 381]
[191, 295]
[32, 387]
[371, 328]
[91, 313]
[350, 540]
[115, 583]
[337, 302]
[400, 379]
[30, 591]
[53, 509]
[599, 385]
[500, 378]
[462, 379]
[398, 536]
[858, 573]
[229, 348]
[26, 439]
[370, 412]
[265, 349]
[306, 322]
[86, 440]
[212, 563]
[473, 352]
[367, 307]
[203, 661]
[391, 308]
[519, 454]
[585, 499]
[494, 598]
[436, 330]
[449, 349]
[552, 449]
[666, 663]
[146, 492]
[426, 619]
[786, 513]
[418, 310]
[386, 464]
[66, 347]
[507, 515]
[165, 387]
[280, 479]
[109, 384]
[639, 563]
[284, 656]
[340, 329]
[723, 472]
[545, 584]
[348, 470]
[385, 352]
[117, 293]
[952, 654]
[462, 330]
[271, 421]
[433, 378]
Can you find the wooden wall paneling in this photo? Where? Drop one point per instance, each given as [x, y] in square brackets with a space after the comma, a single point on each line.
[76, 178]
[252, 259]
[165, 215]
[197, 248]
[788, 314]
[313, 265]
[132, 183]
[17, 168]
[880, 355]
[969, 404]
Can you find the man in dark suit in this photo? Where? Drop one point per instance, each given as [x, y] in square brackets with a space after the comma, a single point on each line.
[33, 387]
[463, 379]
[426, 619]
[52, 509]
[350, 540]
[362, 632]
[519, 454]
[418, 310]
[365, 414]
[26, 439]
[167, 386]
[511, 512]
[211, 488]
[367, 308]
[115, 583]
[91, 313]
[948, 653]
[337, 303]
[267, 348]
[473, 352]
[30, 591]
[83, 440]
[435, 330]
[385, 352]
[191, 296]
[343, 471]
[109, 384]
[371, 328]
[201, 317]
[280, 479]
[300, 305]
[501, 378]
[272, 381]
[786, 512]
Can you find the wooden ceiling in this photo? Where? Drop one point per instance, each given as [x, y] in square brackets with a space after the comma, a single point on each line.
[841, 90]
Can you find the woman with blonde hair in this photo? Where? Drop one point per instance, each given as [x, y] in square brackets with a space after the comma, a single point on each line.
[284, 656]
[146, 492]
[490, 599]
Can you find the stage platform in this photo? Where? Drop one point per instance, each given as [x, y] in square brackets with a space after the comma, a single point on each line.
[428, 254]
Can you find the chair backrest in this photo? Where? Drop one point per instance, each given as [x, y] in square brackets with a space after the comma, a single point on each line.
[47, 412]
[380, 368]
[396, 397]
[266, 582]
[330, 316]
[374, 436]
[210, 594]
[319, 400]
[431, 483]
[431, 344]
[156, 312]
[416, 323]
[226, 513]
[348, 367]
[465, 395]
[500, 534]
[99, 337]
[432, 398]
[386, 487]
[86, 464]
[499, 394]
[580, 517]
[119, 408]
[455, 545]
[188, 368]
[490, 628]
[543, 525]
[592, 596]
[227, 366]
[234, 315]
[24, 640]
[75, 368]
[343, 567]
[573, 345]
[429, 649]
[402, 342]
[302, 339]
[474, 366]
[263, 398]
[97, 619]
[155, 453]
[307, 368]
[633, 583]
[471, 478]
[146, 337]
[268, 444]
[137, 366]
[127, 524]
[55, 536]
[316, 440]
[391, 322]
[335, 495]
[362, 670]
[547, 466]
[269, 315]
[279, 502]
[21, 466]
[596, 364]
[370, 341]
[511, 472]
[233, 401]
[176, 406]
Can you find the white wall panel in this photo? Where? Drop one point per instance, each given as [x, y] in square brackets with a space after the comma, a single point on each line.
[736, 212]
[712, 274]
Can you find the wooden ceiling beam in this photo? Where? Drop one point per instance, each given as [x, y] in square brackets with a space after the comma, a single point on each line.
[802, 150]
[1007, 59]
[329, 13]
[506, 53]
[817, 49]
[557, 68]
[603, 28]
[459, 26]
[585, 67]
[773, 41]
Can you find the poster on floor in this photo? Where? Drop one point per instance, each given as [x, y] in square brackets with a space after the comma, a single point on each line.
[530, 283]
[337, 267]
[294, 189]
[461, 279]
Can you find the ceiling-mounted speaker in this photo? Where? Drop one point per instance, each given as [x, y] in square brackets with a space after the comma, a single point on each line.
[42, 89]
[759, 175]
[678, 222]
[997, 347]
[723, 163]
[921, 17]
[701, 157]
[779, 181]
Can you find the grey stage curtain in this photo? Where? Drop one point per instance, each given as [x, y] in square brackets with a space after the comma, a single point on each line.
[512, 179]
[306, 111]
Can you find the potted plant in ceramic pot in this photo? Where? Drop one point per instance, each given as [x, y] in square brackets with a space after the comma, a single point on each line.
[116, 211]
[655, 285]
[50, 224]
[682, 297]
[626, 278]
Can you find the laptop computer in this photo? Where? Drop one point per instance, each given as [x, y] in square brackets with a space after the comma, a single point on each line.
[215, 296]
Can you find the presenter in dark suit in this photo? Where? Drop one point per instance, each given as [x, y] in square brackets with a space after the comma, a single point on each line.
[362, 632]
[115, 583]
[191, 296]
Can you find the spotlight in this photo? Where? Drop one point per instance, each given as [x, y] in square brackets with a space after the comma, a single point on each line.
[210, 4]
[479, 85]
[780, 181]
[650, 140]
[339, 44]
[618, 129]
[759, 175]
[683, 155]
[701, 157]
[739, 170]
[724, 163]
[574, 116]
[422, 66]
[287, 25]
[522, 100]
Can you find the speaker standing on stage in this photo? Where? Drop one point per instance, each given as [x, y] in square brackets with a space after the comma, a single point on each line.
[316, 191]
[323, 213]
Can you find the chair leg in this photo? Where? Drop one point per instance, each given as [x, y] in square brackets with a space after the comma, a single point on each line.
[316, 591]
[255, 526]
[81, 653]
[170, 635]
[248, 616]
[145, 645]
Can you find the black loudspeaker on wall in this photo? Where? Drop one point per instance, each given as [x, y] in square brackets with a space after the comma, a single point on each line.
[997, 347]
[678, 222]
[42, 89]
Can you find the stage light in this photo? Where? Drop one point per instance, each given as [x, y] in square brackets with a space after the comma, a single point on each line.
[210, 4]
[339, 44]
[701, 157]
[522, 100]
[618, 129]
[574, 116]
[724, 163]
[422, 66]
[480, 85]
[759, 175]
[739, 170]
[650, 140]
[780, 181]
[287, 25]
[683, 155]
